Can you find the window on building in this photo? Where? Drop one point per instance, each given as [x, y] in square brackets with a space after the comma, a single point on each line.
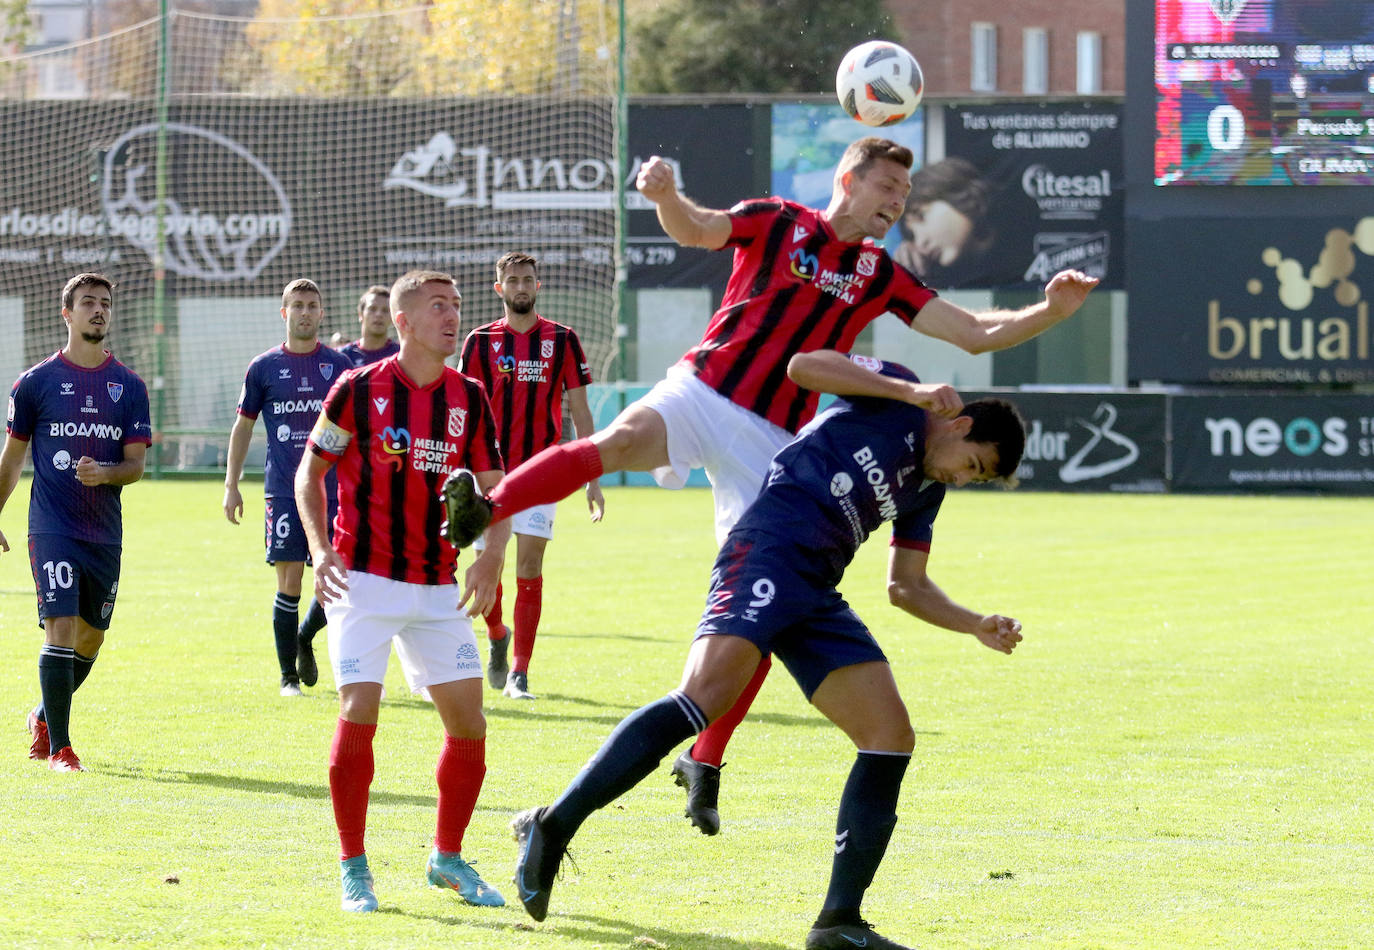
[1035, 61]
[57, 78]
[1089, 62]
[984, 58]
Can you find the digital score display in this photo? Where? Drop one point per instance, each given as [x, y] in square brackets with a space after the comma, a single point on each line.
[1264, 92]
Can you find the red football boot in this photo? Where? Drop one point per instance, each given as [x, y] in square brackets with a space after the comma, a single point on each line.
[38, 749]
[65, 761]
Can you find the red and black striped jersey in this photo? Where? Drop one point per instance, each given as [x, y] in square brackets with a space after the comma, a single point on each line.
[394, 442]
[525, 376]
[795, 287]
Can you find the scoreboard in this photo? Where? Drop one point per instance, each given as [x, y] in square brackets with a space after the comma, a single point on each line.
[1264, 92]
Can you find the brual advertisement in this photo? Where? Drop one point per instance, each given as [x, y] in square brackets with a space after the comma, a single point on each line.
[1024, 191]
[1097, 442]
[1274, 442]
[1254, 302]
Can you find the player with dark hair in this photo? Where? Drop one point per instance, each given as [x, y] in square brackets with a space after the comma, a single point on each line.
[526, 364]
[374, 319]
[86, 416]
[945, 217]
[394, 429]
[286, 385]
[802, 280]
[873, 456]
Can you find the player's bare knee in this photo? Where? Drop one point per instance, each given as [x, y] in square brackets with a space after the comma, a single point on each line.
[89, 639]
[897, 738]
[360, 703]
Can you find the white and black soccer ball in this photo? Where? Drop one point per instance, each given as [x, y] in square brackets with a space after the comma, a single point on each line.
[879, 83]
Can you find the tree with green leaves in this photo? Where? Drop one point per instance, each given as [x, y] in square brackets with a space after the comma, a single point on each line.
[689, 46]
[16, 32]
[365, 48]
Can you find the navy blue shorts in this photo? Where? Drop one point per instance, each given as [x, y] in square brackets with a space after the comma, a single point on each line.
[766, 591]
[286, 540]
[74, 578]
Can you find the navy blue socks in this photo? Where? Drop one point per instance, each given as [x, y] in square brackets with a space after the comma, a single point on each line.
[632, 751]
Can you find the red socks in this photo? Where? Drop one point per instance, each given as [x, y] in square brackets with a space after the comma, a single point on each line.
[495, 629]
[462, 766]
[552, 475]
[350, 776]
[529, 601]
[710, 745]
[459, 774]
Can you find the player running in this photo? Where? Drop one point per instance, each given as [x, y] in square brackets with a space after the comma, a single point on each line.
[802, 280]
[526, 363]
[874, 456]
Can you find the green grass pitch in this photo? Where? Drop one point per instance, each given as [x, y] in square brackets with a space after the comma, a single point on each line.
[1178, 755]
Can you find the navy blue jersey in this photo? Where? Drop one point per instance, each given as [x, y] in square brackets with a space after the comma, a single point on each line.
[856, 465]
[288, 389]
[357, 356]
[65, 412]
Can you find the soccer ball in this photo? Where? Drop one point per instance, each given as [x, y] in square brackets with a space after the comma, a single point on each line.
[879, 83]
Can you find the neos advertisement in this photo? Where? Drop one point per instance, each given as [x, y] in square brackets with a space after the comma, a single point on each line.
[1274, 443]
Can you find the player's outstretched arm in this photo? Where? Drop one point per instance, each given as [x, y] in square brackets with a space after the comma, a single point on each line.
[993, 330]
[910, 588]
[484, 574]
[682, 219]
[11, 464]
[830, 371]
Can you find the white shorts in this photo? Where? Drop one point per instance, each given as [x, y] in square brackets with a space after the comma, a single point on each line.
[536, 521]
[706, 430]
[433, 639]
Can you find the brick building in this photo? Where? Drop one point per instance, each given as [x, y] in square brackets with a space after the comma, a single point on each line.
[1016, 47]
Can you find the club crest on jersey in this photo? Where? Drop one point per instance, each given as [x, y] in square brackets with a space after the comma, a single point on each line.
[115, 390]
[868, 264]
[546, 349]
[804, 265]
[326, 370]
[457, 419]
[505, 364]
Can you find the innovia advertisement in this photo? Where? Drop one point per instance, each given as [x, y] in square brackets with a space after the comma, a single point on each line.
[1252, 302]
[1029, 190]
[258, 192]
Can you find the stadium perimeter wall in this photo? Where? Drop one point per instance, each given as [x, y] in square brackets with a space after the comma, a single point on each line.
[1099, 440]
